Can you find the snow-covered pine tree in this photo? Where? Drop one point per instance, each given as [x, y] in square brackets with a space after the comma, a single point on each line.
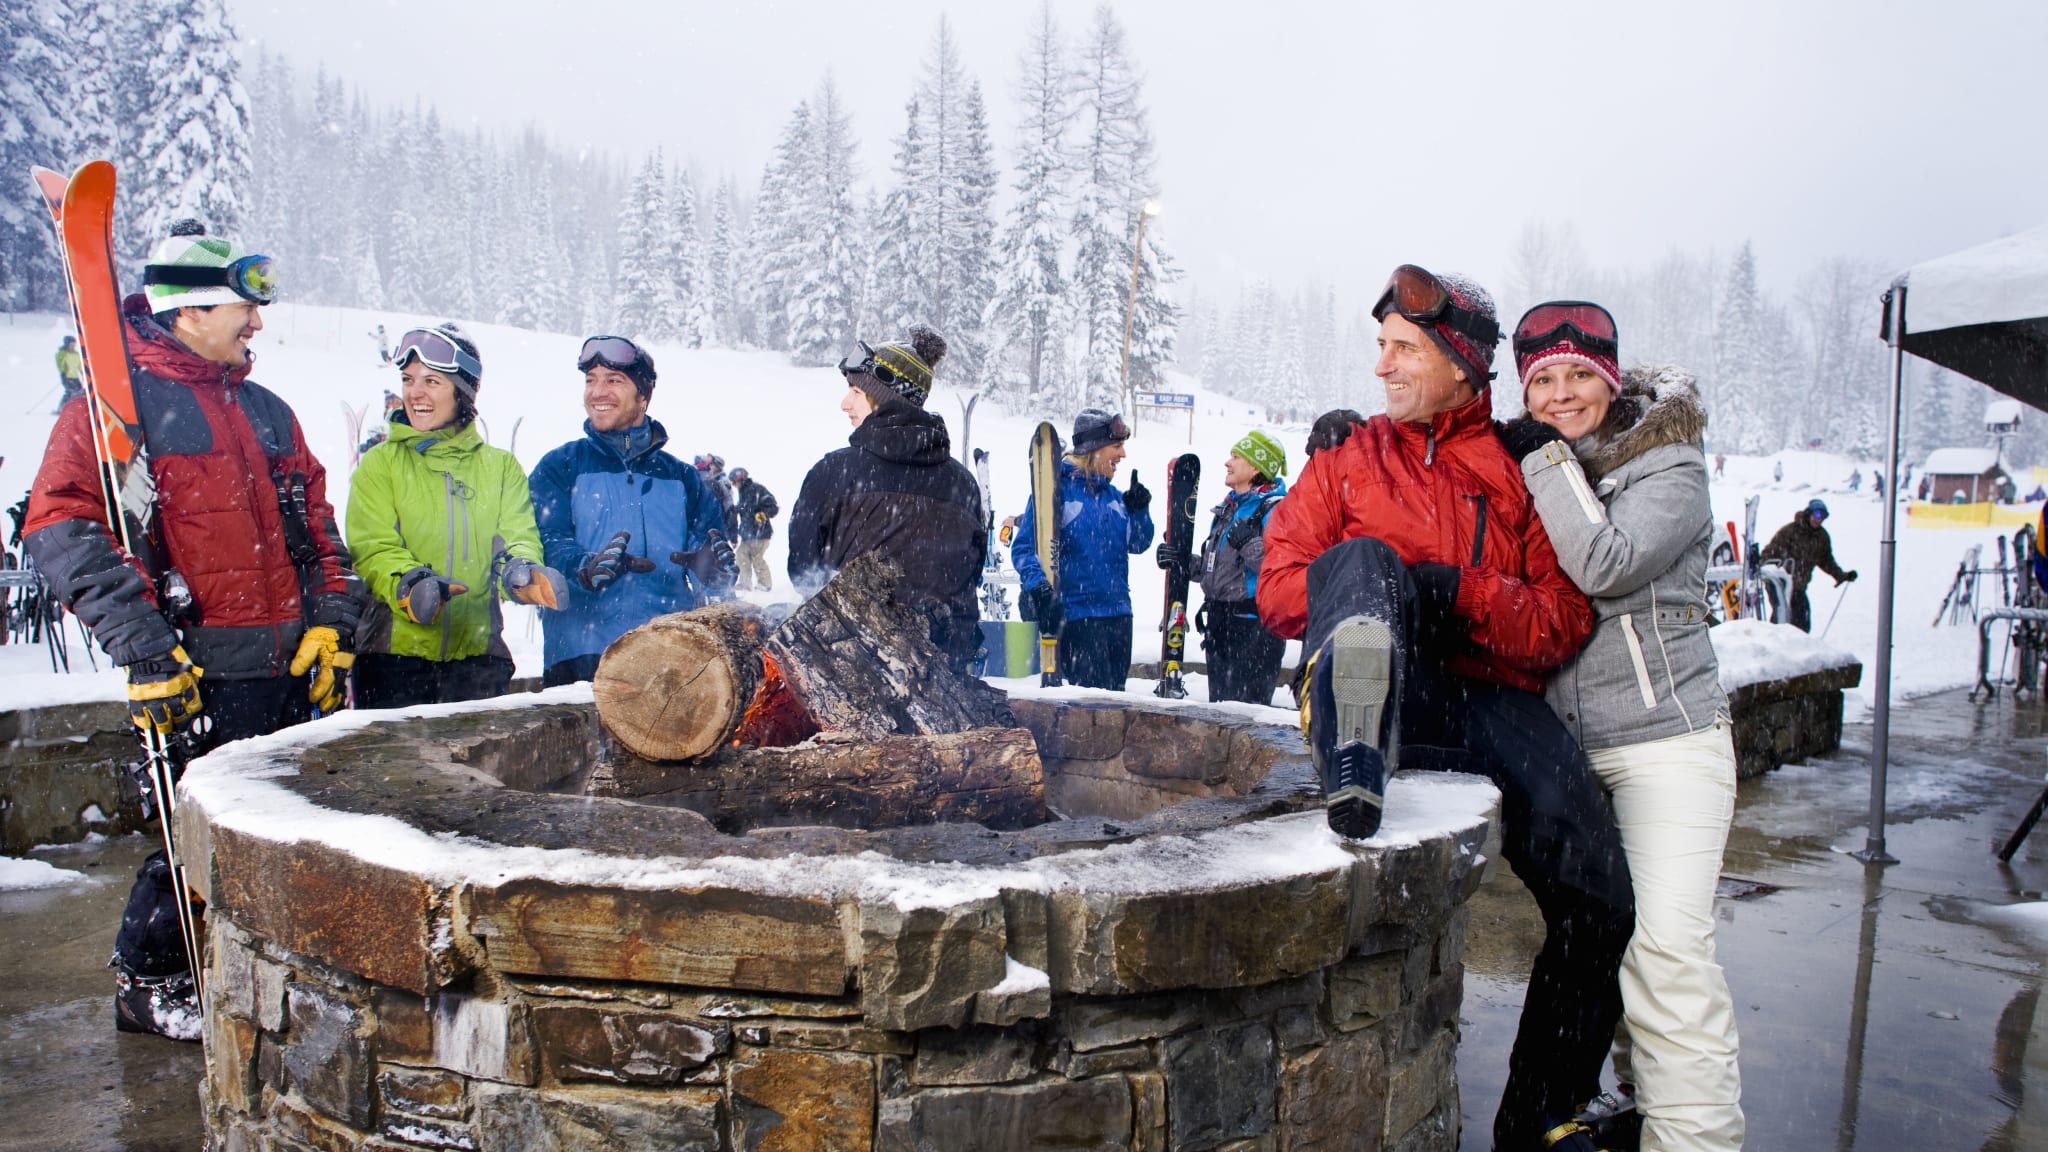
[692, 292]
[633, 281]
[194, 147]
[775, 249]
[824, 304]
[400, 248]
[970, 194]
[721, 251]
[903, 276]
[1741, 418]
[35, 128]
[1031, 286]
[1115, 182]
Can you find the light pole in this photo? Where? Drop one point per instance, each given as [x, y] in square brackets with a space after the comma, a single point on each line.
[1148, 208]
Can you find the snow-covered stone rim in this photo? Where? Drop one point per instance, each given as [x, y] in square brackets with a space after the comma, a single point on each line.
[243, 787]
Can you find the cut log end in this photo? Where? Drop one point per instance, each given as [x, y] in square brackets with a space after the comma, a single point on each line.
[675, 687]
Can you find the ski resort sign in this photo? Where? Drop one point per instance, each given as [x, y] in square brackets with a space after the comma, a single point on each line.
[1184, 401]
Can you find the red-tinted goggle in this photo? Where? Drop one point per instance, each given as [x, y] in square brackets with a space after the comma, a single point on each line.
[436, 350]
[614, 352]
[1587, 325]
[1419, 296]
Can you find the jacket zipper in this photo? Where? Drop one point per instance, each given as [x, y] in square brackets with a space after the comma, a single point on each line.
[1429, 446]
[1479, 530]
[448, 484]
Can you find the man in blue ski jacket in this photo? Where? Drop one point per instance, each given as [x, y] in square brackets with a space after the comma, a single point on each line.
[635, 527]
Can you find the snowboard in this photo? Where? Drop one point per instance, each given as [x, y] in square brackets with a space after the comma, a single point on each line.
[1179, 540]
[1045, 522]
[82, 211]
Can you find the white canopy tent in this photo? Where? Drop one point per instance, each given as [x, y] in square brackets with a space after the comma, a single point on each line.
[1983, 313]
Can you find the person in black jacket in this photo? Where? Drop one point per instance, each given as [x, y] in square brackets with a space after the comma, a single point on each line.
[754, 510]
[896, 490]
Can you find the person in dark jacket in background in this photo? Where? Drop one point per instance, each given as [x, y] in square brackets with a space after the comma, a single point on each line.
[1243, 658]
[754, 510]
[609, 505]
[1804, 545]
[712, 468]
[242, 526]
[896, 490]
[1100, 529]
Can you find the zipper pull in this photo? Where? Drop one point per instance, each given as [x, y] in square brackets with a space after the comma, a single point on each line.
[1429, 449]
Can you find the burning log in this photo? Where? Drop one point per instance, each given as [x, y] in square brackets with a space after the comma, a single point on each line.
[855, 659]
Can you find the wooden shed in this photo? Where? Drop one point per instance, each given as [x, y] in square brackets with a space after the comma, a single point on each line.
[1963, 476]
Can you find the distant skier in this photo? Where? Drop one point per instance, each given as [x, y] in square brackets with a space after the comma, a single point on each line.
[1100, 528]
[1778, 472]
[1856, 480]
[896, 489]
[70, 371]
[1243, 658]
[712, 468]
[1720, 465]
[754, 509]
[1804, 546]
[383, 348]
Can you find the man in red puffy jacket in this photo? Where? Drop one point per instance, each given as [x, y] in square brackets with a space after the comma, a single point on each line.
[1409, 559]
[248, 588]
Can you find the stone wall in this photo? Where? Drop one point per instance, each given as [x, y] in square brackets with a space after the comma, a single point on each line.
[1037, 989]
[1781, 722]
[62, 775]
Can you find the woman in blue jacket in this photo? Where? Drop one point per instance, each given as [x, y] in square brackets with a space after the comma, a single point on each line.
[1099, 529]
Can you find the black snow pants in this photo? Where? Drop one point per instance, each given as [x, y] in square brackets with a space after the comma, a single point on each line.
[570, 671]
[1243, 658]
[1095, 652]
[150, 942]
[1557, 830]
[387, 681]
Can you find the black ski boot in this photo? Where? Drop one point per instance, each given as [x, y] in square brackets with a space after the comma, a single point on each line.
[1355, 749]
[159, 1005]
[1570, 1136]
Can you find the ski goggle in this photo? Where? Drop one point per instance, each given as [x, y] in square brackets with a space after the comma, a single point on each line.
[436, 350]
[1420, 297]
[614, 352]
[1587, 325]
[252, 278]
[871, 366]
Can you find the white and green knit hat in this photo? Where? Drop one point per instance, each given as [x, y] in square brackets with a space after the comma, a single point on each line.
[1262, 452]
[188, 246]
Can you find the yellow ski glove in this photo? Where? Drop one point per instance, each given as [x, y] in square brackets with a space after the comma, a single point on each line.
[322, 646]
[163, 694]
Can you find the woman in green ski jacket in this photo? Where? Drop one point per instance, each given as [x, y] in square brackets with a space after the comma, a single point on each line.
[441, 525]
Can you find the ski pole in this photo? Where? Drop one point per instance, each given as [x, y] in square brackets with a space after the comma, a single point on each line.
[39, 400]
[1839, 597]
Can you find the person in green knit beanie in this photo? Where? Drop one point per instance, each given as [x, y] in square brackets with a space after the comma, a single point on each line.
[1243, 658]
[442, 526]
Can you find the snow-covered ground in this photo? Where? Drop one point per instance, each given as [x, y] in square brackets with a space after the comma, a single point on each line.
[16, 874]
[759, 412]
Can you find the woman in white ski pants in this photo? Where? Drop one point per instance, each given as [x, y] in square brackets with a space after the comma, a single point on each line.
[1615, 464]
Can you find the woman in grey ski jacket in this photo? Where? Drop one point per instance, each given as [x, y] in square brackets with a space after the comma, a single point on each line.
[1616, 467]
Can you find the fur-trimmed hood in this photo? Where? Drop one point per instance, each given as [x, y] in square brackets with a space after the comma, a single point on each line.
[1659, 406]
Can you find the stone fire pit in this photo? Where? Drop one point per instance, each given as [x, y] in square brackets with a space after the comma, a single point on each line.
[424, 934]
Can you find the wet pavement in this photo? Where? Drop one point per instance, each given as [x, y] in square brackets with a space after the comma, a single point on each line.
[1880, 1009]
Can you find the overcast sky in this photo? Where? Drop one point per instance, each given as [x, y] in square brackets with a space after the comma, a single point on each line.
[1327, 140]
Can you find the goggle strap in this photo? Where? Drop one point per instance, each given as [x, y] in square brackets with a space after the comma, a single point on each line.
[186, 276]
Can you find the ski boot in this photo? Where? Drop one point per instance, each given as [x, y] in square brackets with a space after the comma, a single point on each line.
[1614, 1120]
[1571, 1136]
[1354, 751]
[159, 1005]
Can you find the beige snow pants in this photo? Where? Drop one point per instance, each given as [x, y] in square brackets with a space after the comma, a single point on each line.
[754, 570]
[1673, 801]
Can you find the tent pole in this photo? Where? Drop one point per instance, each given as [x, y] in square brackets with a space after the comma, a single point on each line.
[1887, 563]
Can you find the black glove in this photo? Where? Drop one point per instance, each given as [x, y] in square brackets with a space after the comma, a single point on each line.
[1523, 435]
[1331, 429]
[421, 594]
[1848, 577]
[1138, 498]
[1435, 584]
[1045, 608]
[712, 565]
[603, 566]
[1243, 532]
[1168, 556]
